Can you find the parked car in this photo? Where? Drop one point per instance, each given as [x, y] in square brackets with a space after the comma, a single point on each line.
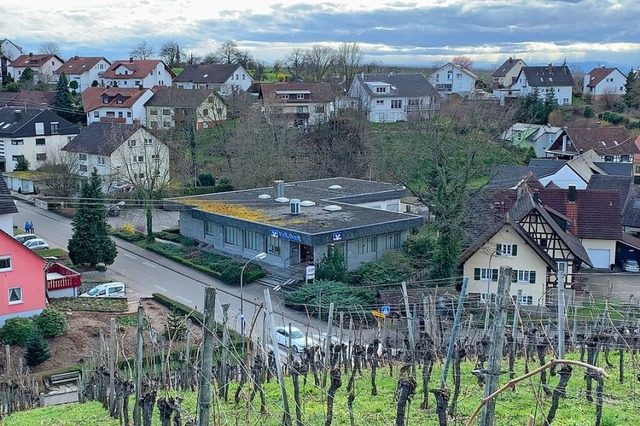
[36, 244]
[630, 265]
[112, 289]
[22, 238]
[299, 340]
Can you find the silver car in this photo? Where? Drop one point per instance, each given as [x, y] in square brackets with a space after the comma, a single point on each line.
[298, 339]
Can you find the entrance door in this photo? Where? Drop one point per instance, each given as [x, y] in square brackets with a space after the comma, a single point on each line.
[306, 254]
[294, 249]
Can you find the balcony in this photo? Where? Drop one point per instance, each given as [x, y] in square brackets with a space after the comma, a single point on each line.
[61, 280]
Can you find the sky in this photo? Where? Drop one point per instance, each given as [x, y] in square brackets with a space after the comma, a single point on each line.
[420, 33]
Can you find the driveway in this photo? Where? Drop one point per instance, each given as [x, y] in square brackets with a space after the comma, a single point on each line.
[620, 286]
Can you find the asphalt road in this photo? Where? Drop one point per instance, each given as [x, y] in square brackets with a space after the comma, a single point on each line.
[148, 273]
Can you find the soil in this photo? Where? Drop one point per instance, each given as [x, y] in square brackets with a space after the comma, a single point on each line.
[81, 343]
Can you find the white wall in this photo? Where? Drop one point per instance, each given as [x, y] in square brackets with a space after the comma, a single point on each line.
[565, 177]
[29, 149]
[6, 223]
[601, 245]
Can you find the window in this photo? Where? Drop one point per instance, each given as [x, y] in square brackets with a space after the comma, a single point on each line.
[105, 99]
[205, 112]
[111, 114]
[243, 76]
[209, 228]
[459, 75]
[153, 112]
[396, 103]
[15, 295]
[5, 263]
[100, 161]
[138, 81]
[284, 96]
[55, 128]
[507, 249]
[129, 114]
[155, 157]
[390, 241]
[485, 274]
[524, 298]
[120, 114]
[148, 141]
[562, 267]
[523, 276]
[638, 169]
[16, 157]
[273, 246]
[625, 158]
[300, 97]
[380, 102]
[381, 89]
[319, 110]
[138, 158]
[96, 114]
[367, 245]
[41, 141]
[119, 100]
[252, 240]
[17, 141]
[154, 124]
[166, 112]
[39, 128]
[131, 142]
[83, 167]
[166, 124]
[231, 236]
[41, 157]
[82, 157]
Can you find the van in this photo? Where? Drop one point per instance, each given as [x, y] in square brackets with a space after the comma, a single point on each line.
[112, 289]
[22, 238]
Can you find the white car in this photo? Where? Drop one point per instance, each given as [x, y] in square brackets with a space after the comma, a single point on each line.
[299, 340]
[36, 244]
[631, 265]
[112, 289]
[22, 238]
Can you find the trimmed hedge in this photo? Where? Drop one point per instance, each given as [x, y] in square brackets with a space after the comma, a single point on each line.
[127, 236]
[176, 238]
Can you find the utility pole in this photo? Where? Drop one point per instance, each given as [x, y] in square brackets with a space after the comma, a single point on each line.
[137, 414]
[276, 353]
[112, 365]
[204, 389]
[454, 332]
[497, 342]
[410, 326]
[222, 382]
[561, 314]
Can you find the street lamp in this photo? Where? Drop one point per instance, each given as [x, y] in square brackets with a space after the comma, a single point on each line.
[258, 256]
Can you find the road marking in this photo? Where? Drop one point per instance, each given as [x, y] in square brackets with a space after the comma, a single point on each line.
[130, 256]
[149, 264]
[160, 288]
[184, 299]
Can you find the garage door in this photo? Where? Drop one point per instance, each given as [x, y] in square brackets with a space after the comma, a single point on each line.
[600, 258]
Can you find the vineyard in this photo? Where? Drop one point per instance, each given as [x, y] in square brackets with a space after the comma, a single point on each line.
[424, 369]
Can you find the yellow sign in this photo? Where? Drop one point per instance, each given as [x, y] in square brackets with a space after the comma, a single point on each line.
[378, 314]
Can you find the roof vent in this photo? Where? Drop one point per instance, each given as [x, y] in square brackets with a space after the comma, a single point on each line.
[307, 203]
[278, 188]
[282, 200]
[332, 208]
[294, 206]
[335, 187]
[264, 196]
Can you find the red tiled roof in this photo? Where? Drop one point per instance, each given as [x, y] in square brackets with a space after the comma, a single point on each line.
[603, 140]
[598, 74]
[93, 97]
[137, 68]
[35, 61]
[78, 65]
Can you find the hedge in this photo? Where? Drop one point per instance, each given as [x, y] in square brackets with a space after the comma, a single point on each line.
[127, 236]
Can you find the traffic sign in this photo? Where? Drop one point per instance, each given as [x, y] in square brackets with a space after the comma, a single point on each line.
[385, 309]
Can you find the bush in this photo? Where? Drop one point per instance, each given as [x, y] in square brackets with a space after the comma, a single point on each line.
[18, 331]
[344, 297]
[131, 237]
[176, 238]
[392, 267]
[588, 111]
[51, 322]
[332, 266]
[205, 179]
[37, 350]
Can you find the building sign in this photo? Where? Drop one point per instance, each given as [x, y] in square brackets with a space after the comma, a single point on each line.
[276, 233]
[310, 272]
[336, 236]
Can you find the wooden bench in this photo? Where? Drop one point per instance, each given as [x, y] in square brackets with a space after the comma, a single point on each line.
[71, 376]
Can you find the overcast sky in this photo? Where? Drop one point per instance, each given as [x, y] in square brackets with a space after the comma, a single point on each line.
[423, 32]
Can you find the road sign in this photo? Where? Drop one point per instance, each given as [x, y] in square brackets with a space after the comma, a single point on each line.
[385, 309]
[378, 314]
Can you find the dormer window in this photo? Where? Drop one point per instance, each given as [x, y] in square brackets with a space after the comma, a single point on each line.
[300, 96]
[105, 99]
[284, 96]
[381, 89]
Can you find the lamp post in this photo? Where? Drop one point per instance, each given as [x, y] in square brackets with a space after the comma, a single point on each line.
[258, 256]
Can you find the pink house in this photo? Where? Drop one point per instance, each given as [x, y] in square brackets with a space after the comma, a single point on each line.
[22, 280]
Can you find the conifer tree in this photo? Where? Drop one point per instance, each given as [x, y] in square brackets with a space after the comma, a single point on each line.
[37, 350]
[90, 243]
[632, 95]
[62, 104]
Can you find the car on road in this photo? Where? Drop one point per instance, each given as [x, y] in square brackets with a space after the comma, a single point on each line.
[36, 244]
[112, 289]
[298, 339]
[630, 265]
[22, 238]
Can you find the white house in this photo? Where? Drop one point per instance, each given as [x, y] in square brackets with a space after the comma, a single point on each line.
[507, 73]
[223, 78]
[604, 81]
[85, 71]
[115, 104]
[122, 154]
[298, 104]
[450, 78]
[136, 73]
[394, 97]
[9, 49]
[170, 107]
[31, 133]
[43, 66]
[556, 79]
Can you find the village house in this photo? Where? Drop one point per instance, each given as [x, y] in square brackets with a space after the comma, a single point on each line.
[603, 81]
[170, 107]
[297, 104]
[136, 73]
[223, 78]
[507, 73]
[554, 79]
[43, 67]
[451, 78]
[116, 104]
[85, 71]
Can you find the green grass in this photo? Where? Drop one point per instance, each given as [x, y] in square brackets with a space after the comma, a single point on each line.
[512, 408]
[61, 254]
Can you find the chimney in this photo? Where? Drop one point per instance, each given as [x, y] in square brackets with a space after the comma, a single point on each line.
[536, 196]
[564, 143]
[140, 87]
[550, 68]
[278, 188]
[362, 75]
[603, 66]
[131, 59]
[18, 114]
[30, 54]
[76, 57]
[571, 195]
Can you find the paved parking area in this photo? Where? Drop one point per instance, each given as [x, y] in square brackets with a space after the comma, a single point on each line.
[137, 218]
[620, 286]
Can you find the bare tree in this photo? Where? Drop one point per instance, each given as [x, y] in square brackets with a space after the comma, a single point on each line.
[349, 60]
[318, 61]
[62, 173]
[295, 63]
[49, 48]
[142, 50]
[227, 52]
[464, 62]
[170, 53]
